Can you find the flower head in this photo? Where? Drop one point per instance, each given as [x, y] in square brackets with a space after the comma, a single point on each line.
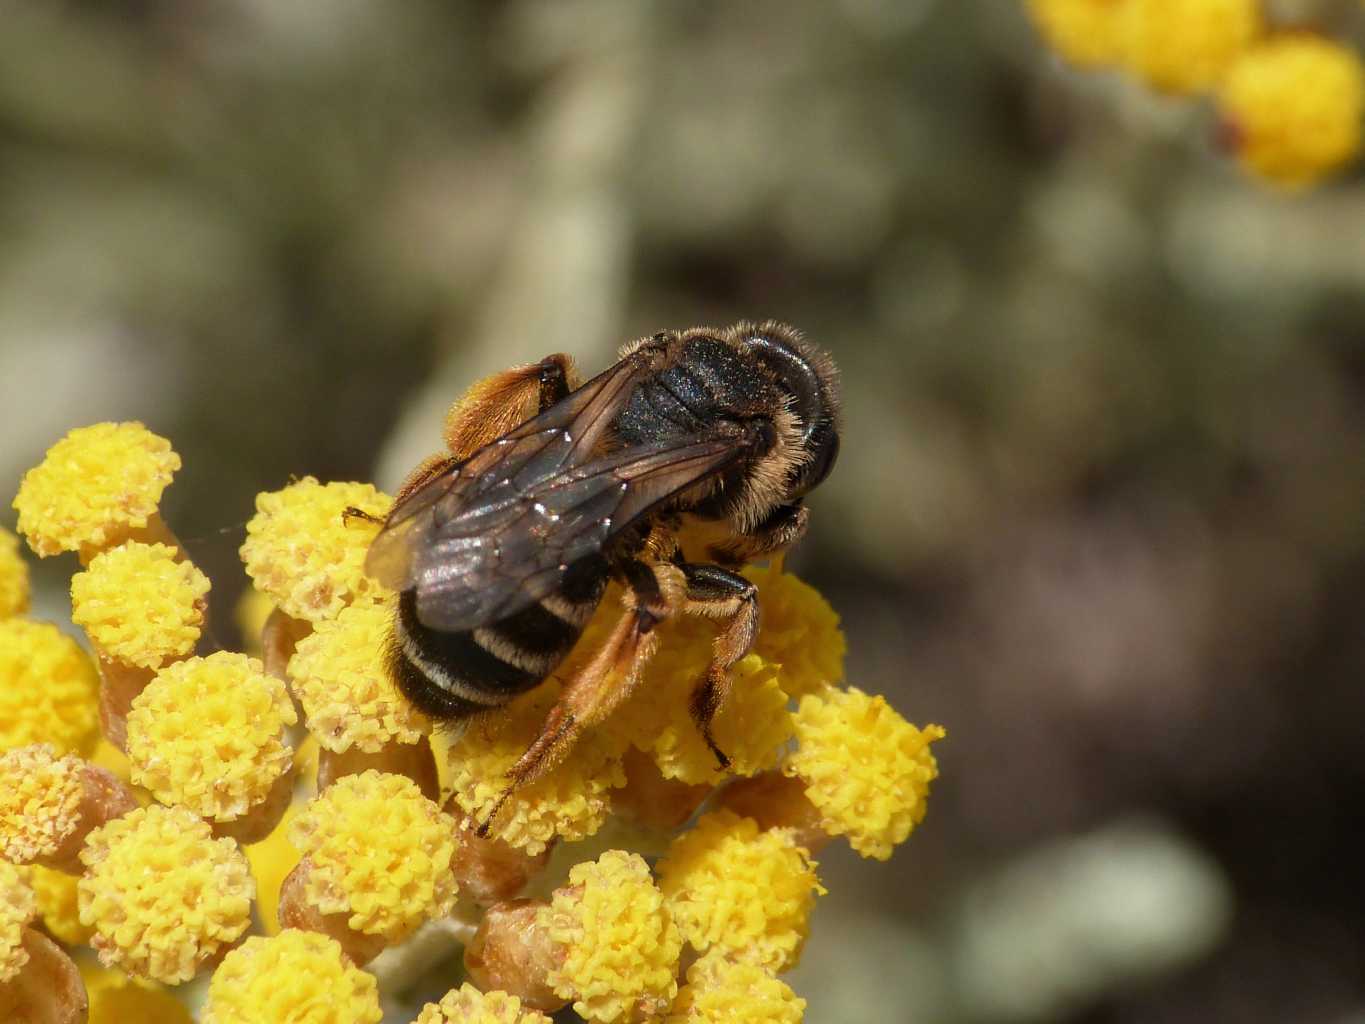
[732, 886]
[1293, 108]
[569, 802]
[467, 1005]
[140, 604]
[620, 944]
[40, 797]
[162, 894]
[14, 584]
[94, 487]
[1185, 46]
[720, 990]
[17, 908]
[867, 770]
[48, 688]
[379, 851]
[301, 551]
[295, 976]
[208, 734]
[341, 679]
[1087, 33]
[798, 630]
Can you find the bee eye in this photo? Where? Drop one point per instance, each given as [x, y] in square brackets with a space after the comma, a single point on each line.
[824, 448]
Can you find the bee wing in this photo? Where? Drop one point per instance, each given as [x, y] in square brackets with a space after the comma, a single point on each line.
[534, 451]
[511, 548]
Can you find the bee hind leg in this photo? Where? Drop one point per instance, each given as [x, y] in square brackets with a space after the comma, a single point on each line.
[718, 593]
[493, 406]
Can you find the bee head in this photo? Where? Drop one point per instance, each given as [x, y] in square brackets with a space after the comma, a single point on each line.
[808, 379]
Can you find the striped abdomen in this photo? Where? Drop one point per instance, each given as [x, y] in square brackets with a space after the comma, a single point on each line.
[455, 675]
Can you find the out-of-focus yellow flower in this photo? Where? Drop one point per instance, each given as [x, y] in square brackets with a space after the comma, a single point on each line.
[14, 583]
[724, 991]
[208, 734]
[798, 630]
[619, 941]
[250, 613]
[467, 1005]
[17, 908]
[867, 770]
[734, 887]
[49, 689]
[1185, 46]
[115, 761]
[379, 851]
[58, 905]
[139, 605]
[94, 487]
[40, 796]
[163, 895]
[116, 998]
[570, 802]
[295, 976]
[1292, 106]
[341, 679]
[302, 553]
[1086, 33]
[271, 861]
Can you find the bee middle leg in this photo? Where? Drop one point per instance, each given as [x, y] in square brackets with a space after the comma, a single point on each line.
[718, 593]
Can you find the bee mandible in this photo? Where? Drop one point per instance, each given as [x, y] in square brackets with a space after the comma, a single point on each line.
[501, 549]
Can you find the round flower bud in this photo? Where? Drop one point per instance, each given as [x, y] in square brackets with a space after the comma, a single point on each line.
[724, 991]
[14, 582]
[49, 690]
[467, 1005]
[295, 976]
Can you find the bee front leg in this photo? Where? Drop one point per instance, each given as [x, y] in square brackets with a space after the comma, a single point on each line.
[718, 593]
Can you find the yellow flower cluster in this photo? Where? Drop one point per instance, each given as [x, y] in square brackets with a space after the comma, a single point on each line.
[364, 858]
[379, 851]
[208, 734]
[162, 895]
[1290, 103]
[292, 976]
[139, 604]
[619, 941]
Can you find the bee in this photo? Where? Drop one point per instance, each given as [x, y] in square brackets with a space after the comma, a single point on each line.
[502, 548]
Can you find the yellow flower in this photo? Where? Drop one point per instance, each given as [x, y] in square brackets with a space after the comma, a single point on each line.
[299, 977]
[208, 734]
[379, 851]
[620, 944]
[867, 770]
[1086, 33]
[94, 487]
[116, 998]
[48, 688]
[799, 631]
[1185, 46]
[58, 905]
[14, 584]
[17, 908]
[341, 679]
[40, 797]
[250, 613]
[271, 861]
[1293, 108]
[139, 604]
[302, 553]
[733, 887]
[467, 1005]
[163, 895]
[724, 991]
[570, 802]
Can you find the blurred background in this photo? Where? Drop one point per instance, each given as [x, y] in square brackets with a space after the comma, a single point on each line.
[1101, 503]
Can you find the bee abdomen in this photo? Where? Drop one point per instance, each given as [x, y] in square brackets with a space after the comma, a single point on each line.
[455, 675]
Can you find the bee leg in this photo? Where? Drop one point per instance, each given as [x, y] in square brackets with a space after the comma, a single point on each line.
[782, 528]
[586, 699]
[493, 406]
[718, 593]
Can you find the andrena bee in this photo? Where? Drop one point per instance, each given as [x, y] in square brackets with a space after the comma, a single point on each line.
[501, 550]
